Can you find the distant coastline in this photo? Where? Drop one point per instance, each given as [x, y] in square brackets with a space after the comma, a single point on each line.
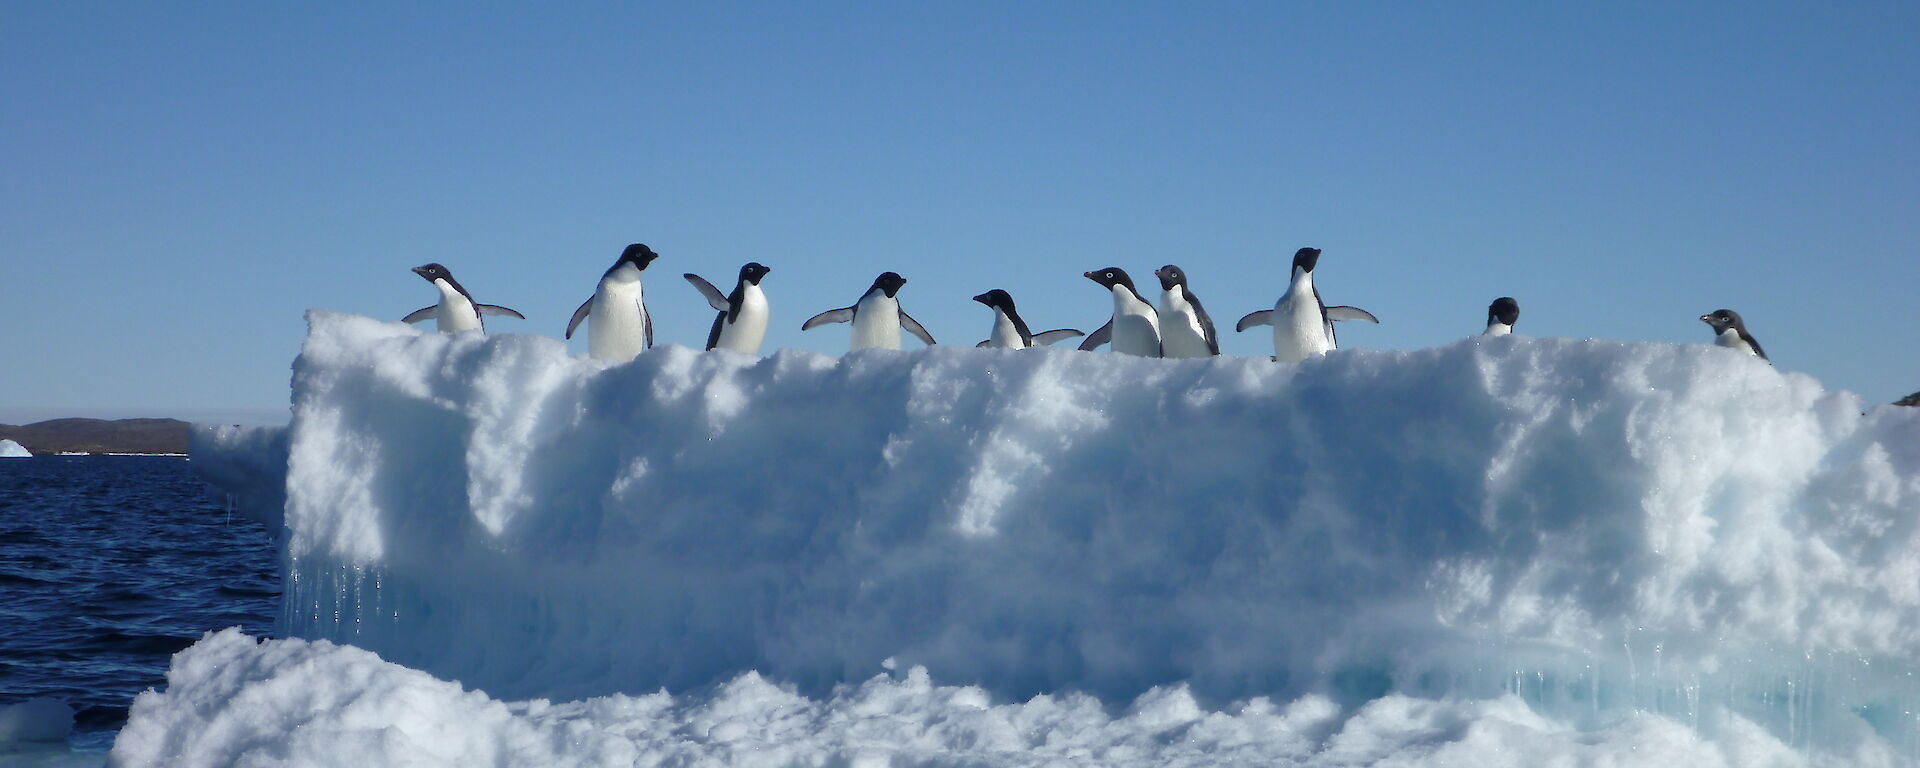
[144, 437]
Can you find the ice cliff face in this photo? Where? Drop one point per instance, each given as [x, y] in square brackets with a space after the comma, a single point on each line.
[1594, 526]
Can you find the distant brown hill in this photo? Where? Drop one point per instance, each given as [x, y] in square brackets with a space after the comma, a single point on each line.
[100, 436]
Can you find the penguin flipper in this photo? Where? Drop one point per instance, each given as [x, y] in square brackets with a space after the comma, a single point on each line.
[1206, 324]
[983, 345]
[713, 334]
[1262, 317]
[649, 319]
[423, 313]
[1097, 338]
[715, 299]
[1059, 334]
[1336, 314]
[913, 326]
[841, 315]
[495, 309]
[579, 316]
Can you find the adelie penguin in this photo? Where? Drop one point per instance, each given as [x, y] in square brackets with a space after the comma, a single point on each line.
[1731, 332]
[1501, 315]
[742, 321]
[1009, 331]
[1134, 328]
[618, 325]
[877, 317]
[1302, 323]
[1185, 329]
[457, 311]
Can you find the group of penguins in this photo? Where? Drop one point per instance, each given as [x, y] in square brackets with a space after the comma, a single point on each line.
[619, 326]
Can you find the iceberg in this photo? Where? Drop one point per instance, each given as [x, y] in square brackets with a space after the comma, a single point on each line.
[40, 719]
[1552, 547]
[12, 450]
[248, 464]
[318, 703]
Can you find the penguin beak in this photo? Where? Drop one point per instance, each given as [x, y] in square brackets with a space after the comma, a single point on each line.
[422, 272]
[1708, 319]
[1089, 276]
[982, 298]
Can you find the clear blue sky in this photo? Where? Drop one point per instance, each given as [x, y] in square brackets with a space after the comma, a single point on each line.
[182, 180]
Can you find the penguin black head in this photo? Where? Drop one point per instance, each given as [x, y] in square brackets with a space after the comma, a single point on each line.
[432, 272]
[1305, 259]
[1722, 319]
[890, 282]
[752, 271]
[1110, 277]
[1503, 310]
[997, 299]
[638, 255]
[1170, 276]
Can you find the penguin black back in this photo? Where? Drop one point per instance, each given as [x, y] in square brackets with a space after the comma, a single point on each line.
[1503, 310]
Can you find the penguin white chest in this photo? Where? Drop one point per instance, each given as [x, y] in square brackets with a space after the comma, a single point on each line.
[1299, 328]
[1136, 329]
[1497, 328]
[749, 326]
[1180, 331]
[617, 322]
[1005, 335]
[455, 313]
[876, 322]
[1730, 339]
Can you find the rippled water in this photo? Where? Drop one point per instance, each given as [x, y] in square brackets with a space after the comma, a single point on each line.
[110, 564]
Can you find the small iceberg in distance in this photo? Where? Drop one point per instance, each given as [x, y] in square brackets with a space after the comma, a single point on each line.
[12, 450]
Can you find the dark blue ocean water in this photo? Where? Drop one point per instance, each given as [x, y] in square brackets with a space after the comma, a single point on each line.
[110, 564]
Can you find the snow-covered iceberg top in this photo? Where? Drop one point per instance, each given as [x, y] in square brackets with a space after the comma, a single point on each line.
[12, 450]
[1605, 525]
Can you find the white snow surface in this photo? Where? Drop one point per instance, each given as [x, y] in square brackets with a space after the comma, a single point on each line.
[234, 701]
[12, 450]
[1506, 550]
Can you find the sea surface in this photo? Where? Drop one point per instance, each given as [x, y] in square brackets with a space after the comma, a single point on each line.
[110, 564]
